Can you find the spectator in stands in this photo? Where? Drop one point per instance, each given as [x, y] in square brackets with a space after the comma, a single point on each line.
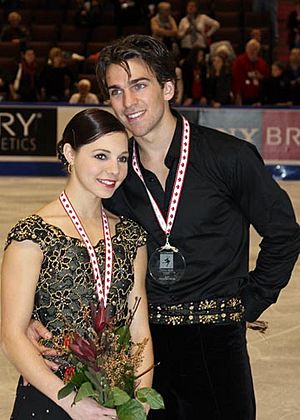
[88, 13]
[25, 86]
[14, 31]
[164, 26]
[84, 96]
[195, 28]
[194, 78]
[293, 74]
[268, 7]
[224, 49]
[277, 89]
[218, 89]
[265, 48]
[249, 71]
[293, 25]
[56, 78]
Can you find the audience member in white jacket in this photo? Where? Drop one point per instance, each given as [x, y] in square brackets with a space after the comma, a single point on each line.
[195, 28]
[84, 96]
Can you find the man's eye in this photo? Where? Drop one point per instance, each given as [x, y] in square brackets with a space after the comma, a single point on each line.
[115, 92]
[139, 86]
[100, 156]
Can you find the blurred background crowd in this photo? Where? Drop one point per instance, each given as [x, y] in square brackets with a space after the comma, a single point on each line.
[228, 52]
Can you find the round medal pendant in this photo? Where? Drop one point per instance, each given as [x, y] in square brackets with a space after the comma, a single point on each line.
[167, 265]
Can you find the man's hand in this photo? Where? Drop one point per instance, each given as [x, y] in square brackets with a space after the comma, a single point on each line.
[35, 332]
[260, 326]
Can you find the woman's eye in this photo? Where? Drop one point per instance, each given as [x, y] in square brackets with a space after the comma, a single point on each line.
[100, 156]
[123, 159]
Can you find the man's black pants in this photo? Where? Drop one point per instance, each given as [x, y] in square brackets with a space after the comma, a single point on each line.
[203, 372]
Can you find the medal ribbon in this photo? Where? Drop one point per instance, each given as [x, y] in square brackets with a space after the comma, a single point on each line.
[167, 224]
[101, 292]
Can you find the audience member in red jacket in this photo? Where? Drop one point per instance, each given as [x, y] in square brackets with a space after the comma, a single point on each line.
[249, 71]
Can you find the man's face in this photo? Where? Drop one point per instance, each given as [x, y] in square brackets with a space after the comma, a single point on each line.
[164, 12]
[252, 52]
[137, 98]
[191, 8]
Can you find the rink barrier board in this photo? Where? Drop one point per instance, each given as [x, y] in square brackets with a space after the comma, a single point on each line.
[29, 133]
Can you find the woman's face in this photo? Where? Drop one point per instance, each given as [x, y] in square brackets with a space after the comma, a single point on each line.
[101, 166]
[57, 60]
[217, 62]
[29, 56]
[276, 71]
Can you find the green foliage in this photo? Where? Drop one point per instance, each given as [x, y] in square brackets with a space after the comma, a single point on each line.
[151, 397]
[85, 390]
[131, 410]
[117, 397]
[124, 336]
[66, 390]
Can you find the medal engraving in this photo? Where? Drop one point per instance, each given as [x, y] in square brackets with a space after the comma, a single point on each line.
[167, 265]
[166, 261]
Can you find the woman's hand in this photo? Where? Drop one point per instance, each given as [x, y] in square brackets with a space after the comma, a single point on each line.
[89, 409]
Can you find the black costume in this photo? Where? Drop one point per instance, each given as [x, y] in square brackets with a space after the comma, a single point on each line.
[65, 290]
[198, 324]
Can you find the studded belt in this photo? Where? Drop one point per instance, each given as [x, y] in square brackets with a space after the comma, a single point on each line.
[208, 311]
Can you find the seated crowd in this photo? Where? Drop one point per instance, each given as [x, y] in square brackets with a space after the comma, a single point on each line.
[210, 71]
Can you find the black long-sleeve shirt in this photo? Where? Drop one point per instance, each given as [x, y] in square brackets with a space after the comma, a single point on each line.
[226, 189]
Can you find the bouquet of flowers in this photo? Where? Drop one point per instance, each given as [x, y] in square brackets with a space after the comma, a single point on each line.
[103, 367]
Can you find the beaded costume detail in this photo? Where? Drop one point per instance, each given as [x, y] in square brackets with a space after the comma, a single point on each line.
[66, 286]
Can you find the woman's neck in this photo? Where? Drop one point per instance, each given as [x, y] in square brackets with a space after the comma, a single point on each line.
[86, 205]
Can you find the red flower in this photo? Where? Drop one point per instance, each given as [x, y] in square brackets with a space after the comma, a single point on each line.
[100, 317]
[69, 373]
[83, 348]
[67, 342]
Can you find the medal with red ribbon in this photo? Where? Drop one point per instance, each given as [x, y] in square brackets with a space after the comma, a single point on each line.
[167, 264]
[102, 290]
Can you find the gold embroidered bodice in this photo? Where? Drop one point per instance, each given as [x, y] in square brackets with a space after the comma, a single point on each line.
[66, 286]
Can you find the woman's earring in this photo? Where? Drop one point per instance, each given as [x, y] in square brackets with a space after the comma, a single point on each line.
[70, 166]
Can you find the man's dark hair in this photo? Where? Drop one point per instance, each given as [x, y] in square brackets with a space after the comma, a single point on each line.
[144, 47]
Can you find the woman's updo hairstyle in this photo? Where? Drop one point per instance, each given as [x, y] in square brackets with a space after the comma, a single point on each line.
[85, 127]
